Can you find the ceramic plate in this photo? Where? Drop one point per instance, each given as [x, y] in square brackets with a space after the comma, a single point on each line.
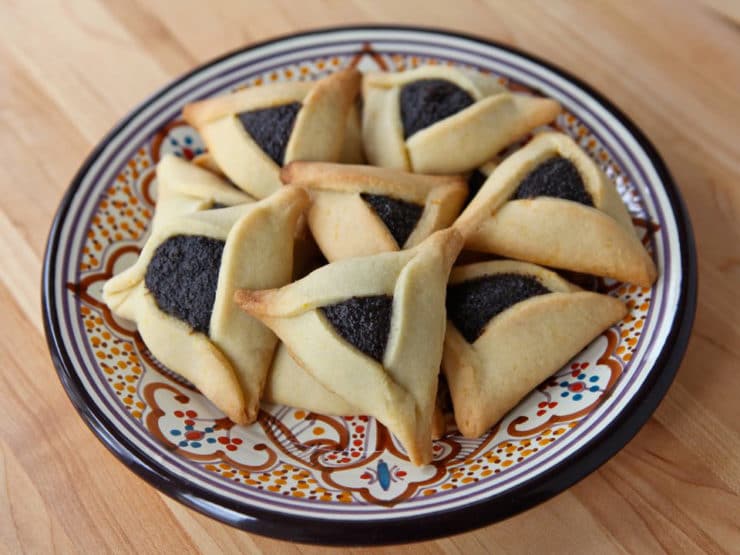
[308, 477]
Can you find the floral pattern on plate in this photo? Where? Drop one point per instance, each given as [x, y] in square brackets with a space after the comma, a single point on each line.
[311, 456]
[293, 464]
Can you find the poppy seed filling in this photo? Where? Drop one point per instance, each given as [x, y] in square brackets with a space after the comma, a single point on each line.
[428, 101]
[183, 275]
[557, 177]
[399, 216]
[365, 322]
[473, 303]
[271, 128]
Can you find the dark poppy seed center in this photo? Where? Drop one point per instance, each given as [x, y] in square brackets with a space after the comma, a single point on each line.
[428, 101]
[183, 275]
[399, 216]
[365, 322]
[557, 177]
[271, 128]
[472, 304]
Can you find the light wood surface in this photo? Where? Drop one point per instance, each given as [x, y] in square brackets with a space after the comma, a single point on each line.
[70, 69]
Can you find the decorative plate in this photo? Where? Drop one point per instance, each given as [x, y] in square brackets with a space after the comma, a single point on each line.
[308, 477]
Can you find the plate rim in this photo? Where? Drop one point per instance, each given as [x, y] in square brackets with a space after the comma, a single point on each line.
[561, 476]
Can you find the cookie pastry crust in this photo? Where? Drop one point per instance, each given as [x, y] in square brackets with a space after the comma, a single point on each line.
[291, 385]
[556, 232]
[364, 210]
[521, 345]
[205, 161]
[292, 121]
[184, 187]
[352, 149]
[457, 143]
[306, 253]
[478, 177]
[229, 363]
[334, 319]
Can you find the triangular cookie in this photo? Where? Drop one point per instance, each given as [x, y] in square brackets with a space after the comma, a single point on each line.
[371, 329]
[510, 326]
[179, 292]
[251, 133]
[184, 188]
[352, 149]
[441, 119]
[364, 210]
[549, 203]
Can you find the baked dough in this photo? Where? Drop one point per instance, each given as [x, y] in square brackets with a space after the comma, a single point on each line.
[398, 383]
[291, 385]
[364, 210]
[206, 161]
[520, 346]
[306, 253]
[457, 143]
[228, 364]
[184, 187]
[315, 132]
[352, 149]
[555, 232]
[478, 177]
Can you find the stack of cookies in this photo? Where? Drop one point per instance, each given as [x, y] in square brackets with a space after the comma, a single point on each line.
[307, 258]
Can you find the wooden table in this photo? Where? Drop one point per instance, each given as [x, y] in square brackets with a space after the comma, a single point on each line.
[70, 69]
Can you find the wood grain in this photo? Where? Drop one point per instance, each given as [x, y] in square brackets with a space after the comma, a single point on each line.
[70, 69]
